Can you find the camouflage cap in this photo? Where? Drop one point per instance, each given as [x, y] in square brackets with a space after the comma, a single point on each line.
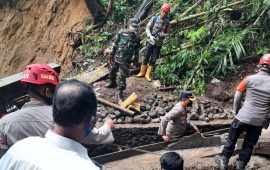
[133, 22]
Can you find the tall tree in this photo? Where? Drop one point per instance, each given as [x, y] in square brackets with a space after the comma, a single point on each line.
[97, 11]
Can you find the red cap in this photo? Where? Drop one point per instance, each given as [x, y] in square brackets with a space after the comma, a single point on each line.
[39, 74]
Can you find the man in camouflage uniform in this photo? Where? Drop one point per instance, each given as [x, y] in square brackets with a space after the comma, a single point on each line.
[125, 46]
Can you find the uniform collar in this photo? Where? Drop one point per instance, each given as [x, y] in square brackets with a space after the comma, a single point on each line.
[263, 73]
[34, 102]
[66, 143]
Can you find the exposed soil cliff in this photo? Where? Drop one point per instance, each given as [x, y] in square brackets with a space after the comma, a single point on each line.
[34, 31]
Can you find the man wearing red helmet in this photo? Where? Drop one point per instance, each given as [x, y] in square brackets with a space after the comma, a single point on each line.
[156, 30]
[35, 116]
[249, 118]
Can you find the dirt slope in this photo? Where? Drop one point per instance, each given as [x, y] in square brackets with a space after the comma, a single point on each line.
[34, 31]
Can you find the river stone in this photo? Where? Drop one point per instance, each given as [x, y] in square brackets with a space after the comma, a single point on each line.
[211, 116]
[148, 119]
[159, 111]
[144, 116]
[166, 99]
[120, 121]
[223, 116]
[112, 116]
[202, 117]
[152, 114]
[206, 119]
[160, 97]
[128, 119]
[117, 113]
[216, 116]
[156, 120]
[160, 103]
[136, 118]
[148, 107]
[143, 107]
[194, 116]
[167, 108]
[150, 101]
[101, 115]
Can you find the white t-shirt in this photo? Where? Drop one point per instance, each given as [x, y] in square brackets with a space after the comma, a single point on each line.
[54, 152]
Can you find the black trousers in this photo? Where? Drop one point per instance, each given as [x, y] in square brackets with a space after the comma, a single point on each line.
[251, 138]
[152, 52]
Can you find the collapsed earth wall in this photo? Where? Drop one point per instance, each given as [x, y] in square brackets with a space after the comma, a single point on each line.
[35, 31]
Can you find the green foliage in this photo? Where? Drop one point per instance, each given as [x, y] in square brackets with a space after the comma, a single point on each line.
[8, 3]
[262, 51]
[93, 42]
[216, 43]
[216, 47]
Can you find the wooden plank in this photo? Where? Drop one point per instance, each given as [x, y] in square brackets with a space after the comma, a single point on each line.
[91, 77]
[262, 146]
[115, 156]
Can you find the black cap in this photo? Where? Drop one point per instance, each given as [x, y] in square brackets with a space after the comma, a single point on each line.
[187, 95]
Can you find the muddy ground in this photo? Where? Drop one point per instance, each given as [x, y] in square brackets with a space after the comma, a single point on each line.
[199, 159]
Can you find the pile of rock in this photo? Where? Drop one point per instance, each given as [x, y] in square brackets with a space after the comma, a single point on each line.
[155, 107]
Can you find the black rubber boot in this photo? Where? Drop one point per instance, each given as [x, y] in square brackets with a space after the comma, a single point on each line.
[120, 95]
[222, 162]
[112, 84]
[240, 165]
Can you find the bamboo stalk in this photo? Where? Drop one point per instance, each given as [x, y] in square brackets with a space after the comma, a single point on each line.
[192, 7]
[261, 14]
[173, 22]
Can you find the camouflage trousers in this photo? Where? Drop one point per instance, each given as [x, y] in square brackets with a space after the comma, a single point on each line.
[123, 73]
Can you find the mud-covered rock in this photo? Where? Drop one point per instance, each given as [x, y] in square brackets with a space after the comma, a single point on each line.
[153, 114]
[156, 120]
[128, 119]
[194, 116]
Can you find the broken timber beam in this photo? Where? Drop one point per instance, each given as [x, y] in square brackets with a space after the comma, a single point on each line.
[105, 102]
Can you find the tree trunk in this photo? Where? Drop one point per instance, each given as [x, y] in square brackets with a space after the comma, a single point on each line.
[97, 11]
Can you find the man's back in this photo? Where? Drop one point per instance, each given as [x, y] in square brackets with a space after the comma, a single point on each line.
[54, 152]
[34, 119]
[257, 102]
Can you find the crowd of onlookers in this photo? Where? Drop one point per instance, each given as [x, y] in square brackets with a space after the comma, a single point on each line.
[49, 130]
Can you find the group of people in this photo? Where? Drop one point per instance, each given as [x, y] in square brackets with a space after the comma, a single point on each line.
[49, 130]
[126, 46]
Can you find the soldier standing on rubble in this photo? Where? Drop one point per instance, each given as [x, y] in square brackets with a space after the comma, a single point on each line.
[251, 117]
[156, 29]
[174, 123]
[126, 44]
[35, 116]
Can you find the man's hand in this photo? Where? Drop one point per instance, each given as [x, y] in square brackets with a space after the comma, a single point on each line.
[166, 138]
[152, 39]
[197, 129]
[110, 123]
